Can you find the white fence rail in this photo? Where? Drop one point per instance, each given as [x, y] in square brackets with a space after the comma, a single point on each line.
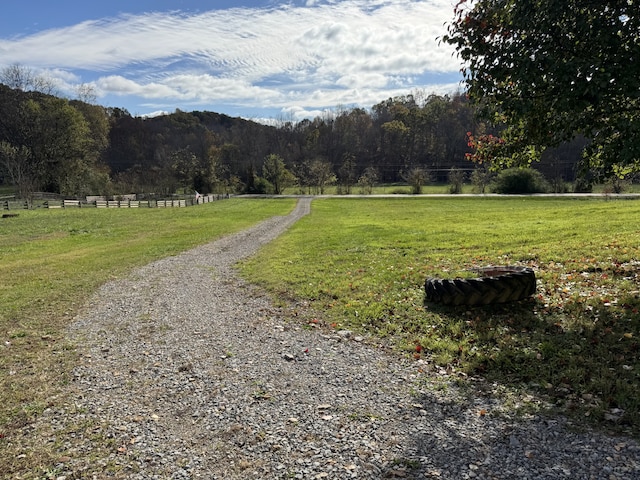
[101, 202]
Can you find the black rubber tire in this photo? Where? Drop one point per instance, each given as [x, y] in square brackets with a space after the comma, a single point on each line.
[499, 284]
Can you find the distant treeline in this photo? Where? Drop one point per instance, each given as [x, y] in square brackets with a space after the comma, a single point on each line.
[75, 148]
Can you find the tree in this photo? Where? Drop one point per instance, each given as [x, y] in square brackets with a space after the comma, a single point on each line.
[368, 180]
[25, 79]
[46, 141]
[16, 162]
[59, 139]
[550, 70]
[347, 173]
[321, 175]
[86, 93]
[456, 180]
[480, 178]
[91, 176]
[417, 177]
[276, 173]
[395, 143]
[302, 172]
[215, 175]
[185, 166]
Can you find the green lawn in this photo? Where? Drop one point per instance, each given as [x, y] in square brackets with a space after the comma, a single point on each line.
[50, 262]
[361, 264]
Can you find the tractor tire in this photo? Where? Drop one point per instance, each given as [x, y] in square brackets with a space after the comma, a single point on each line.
[499, 284]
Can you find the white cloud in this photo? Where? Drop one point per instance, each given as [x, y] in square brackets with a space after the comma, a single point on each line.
[157, 113]
[297, 113]
[316, 55]
[123, 86]
[363, 80]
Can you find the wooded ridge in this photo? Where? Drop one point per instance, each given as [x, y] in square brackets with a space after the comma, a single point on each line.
[74, 148]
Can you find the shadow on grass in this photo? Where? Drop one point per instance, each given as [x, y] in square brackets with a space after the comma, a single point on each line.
[581, 360]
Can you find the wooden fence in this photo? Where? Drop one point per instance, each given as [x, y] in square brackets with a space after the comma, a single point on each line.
[23, 205]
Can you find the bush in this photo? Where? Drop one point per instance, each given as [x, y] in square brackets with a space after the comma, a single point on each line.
[558, 185]
[520, 180]
[261, 186]
[456, 180]
[400, 191]
[583, 185]
[417, 177]
[615, 185]
[480, 178]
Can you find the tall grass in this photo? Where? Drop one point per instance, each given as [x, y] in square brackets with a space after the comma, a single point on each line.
[361, 263]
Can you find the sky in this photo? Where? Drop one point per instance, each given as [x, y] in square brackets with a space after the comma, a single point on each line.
[258, 59]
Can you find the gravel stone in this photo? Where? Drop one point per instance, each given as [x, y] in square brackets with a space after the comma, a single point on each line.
[190, 372]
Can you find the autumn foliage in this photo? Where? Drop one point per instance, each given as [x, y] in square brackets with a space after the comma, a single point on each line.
[550, 70]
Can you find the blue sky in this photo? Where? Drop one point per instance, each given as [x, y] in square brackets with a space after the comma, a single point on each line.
[260, 59]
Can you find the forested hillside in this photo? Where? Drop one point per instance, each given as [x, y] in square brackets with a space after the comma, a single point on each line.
[75, 148]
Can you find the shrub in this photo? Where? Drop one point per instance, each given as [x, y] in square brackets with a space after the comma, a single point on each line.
[480, 178]
[583, 185]
[558, 185]
[520, 180]
[456, 180]
[367, 180]
[261, 186]
[400, 191]
[615, 184]
[417, 177]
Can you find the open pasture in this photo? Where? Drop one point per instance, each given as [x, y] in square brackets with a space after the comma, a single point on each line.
[360, 264]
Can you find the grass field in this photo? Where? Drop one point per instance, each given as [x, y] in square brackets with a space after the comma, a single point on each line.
[361, 265]
[50, 262]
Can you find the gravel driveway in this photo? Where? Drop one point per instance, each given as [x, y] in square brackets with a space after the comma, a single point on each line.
[189, 372]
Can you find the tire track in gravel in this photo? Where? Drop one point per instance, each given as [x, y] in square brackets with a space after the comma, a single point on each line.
[190, 372]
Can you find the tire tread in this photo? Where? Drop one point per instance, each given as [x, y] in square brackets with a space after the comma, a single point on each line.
[503, 284]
